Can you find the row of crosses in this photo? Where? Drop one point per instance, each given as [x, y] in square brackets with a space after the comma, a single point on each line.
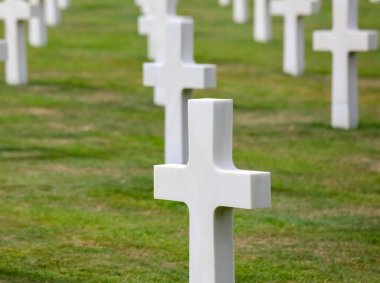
[345, 30]
[199, 170]
[14, 14]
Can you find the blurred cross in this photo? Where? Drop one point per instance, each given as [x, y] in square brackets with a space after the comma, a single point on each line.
[240, 11]
[176, 75]
[14, 13]
[37, 25]
[152, 24]
[293, 12]
[344, 40]
[262, 21]
[52, 13]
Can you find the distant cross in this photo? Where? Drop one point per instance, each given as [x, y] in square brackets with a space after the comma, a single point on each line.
[293, 12]
[211, 186]
[63, 4]
[262, 25]
[344, 40]
[176, 75]
[14, 13]
[37, 26]
[152, 24]
[224, 2]
[240, 11]
[52, 13]
[3, 50]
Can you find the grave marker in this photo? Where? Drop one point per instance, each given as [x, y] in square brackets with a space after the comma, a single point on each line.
[211, 187]
[152, 24]
[37, 26]
[293, 12]
[14, 13]
[175, 76]
[240, 11]
[52, 13]
[344, 40]
[262, 26]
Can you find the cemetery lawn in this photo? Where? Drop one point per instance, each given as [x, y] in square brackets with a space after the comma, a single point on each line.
[78, 145]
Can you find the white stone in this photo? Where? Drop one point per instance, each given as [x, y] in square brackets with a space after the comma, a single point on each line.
[152, 24]
[15, 13]
[175, 76]
[143, 5]
[3, 50]
[344, 40]
[293, 12]
[37, 26]
[63, 4]
[52, 13]
[224, 3]
[240, 11]
[211, 186]
[262, 25]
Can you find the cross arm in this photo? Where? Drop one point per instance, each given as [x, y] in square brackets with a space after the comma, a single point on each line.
[322, 40]
[244, 189]
[152, 73]
[363, 40]
[199, 76]
[22, 9]
[169, 182]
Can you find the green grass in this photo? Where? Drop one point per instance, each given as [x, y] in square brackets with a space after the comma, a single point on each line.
[77, 148]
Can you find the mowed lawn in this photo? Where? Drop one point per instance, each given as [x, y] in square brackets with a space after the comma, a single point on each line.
[78, 145]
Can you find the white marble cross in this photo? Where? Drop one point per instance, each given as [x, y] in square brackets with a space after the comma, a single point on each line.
[344, 40]
[211, 186]
[37, 26]
[176, 75]
[224, 2]
[240, 11]
[3, 50]
[262, 25]
[52, 13]
[152, 24]
[14, 13]
[63, 4]
[293, 12]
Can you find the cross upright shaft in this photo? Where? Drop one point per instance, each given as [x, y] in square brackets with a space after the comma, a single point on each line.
[211, 186]
[293, 12]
